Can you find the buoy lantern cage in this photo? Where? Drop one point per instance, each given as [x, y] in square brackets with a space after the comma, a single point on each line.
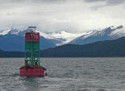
[32, 56]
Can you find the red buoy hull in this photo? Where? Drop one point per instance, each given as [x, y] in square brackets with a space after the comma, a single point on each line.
[32, 72]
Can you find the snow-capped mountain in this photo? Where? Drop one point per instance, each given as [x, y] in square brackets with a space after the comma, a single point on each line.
[10, 31]
[13, 39]
[14, 31]
[109, 33]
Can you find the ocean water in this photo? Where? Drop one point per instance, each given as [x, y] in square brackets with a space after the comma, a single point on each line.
[66, 74]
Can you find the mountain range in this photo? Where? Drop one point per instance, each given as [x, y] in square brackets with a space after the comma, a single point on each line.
[108, 48]
[13, 39]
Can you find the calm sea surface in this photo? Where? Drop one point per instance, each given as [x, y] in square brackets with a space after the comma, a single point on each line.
[66, 74]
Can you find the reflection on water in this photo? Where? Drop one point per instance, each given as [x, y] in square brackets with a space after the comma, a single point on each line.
[31, 84]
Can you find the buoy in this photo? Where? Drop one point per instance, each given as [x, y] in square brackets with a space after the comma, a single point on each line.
[32, 66]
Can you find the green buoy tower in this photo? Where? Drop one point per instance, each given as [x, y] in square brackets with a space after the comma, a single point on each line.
[32, 47]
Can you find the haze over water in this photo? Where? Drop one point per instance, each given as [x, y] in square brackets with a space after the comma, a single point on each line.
[66, 74]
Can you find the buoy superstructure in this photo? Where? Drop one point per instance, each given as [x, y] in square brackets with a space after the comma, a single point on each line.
[32, 67]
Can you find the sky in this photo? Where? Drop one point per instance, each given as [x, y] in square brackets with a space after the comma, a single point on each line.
[59, 15]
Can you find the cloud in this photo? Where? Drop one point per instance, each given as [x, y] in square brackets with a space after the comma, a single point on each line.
[114, 2]
[89, 1]
[105, 3]
[32, 1]
[57, 15]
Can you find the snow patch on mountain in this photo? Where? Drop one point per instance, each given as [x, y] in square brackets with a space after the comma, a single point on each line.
[14, 31]
[10, 31]
[66, 36]
[45, 35]
[120, 32]
[109, 33]
[3, 32]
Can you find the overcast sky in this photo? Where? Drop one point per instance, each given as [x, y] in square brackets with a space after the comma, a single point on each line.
[58, 15]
